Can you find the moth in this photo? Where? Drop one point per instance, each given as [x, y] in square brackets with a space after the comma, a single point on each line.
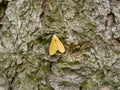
[56, 45]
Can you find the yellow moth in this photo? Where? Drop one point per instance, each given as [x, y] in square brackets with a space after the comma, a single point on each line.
[56, 45]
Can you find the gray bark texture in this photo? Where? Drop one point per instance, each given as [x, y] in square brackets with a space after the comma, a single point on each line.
[89, 30]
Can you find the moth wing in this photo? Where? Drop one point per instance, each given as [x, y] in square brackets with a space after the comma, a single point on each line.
[52, 47]
[60, 46]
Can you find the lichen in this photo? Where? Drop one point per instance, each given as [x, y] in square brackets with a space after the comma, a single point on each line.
[92, 57]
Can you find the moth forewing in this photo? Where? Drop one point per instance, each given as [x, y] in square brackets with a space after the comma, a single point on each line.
[52, 48]
[56, 45]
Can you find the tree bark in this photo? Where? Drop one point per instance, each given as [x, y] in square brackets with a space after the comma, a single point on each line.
[89, 30]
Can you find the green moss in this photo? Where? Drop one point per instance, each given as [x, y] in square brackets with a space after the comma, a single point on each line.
[50, 19]
[1, 11]
[84, 85]
[46, 68]
[69, 63]
[67, 84]
[31, 77]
